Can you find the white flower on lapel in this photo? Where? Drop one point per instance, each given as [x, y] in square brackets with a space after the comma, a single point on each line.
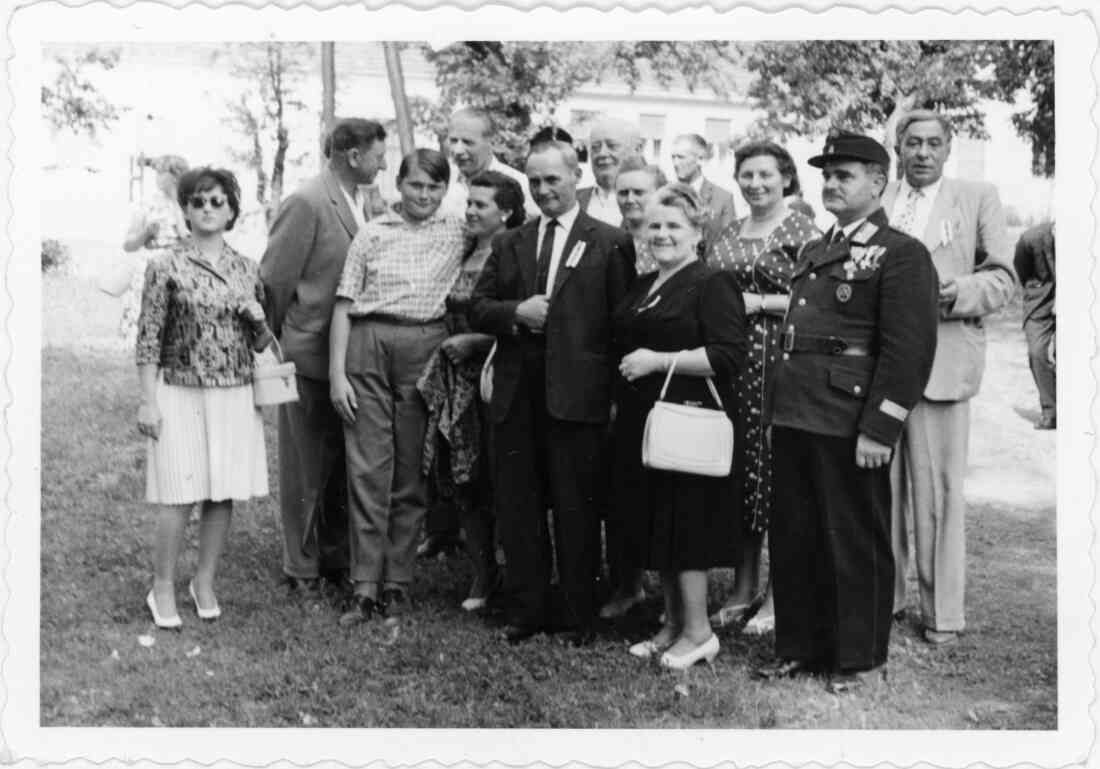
[576, 254]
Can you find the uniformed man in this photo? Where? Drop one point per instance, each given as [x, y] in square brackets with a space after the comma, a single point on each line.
[858, 344]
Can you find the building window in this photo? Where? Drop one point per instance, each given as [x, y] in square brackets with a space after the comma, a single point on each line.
[653, 133]
[717, 133]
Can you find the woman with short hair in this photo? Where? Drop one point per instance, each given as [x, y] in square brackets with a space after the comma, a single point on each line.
[387, 322]
[201, 320]
[760, 251]
[676, 523]
[456, 451]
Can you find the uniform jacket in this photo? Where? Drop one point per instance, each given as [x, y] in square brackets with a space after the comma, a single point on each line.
[967, 239]
[580, 365]
[1034, 264]
[878, 292]
[301, 268]
[721, 211]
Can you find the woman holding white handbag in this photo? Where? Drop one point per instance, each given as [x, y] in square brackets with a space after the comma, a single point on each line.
[681, 330]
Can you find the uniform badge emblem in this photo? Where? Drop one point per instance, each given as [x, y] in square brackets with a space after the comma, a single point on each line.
[844, 292]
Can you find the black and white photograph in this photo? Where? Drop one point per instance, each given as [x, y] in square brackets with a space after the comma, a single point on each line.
[688, 374]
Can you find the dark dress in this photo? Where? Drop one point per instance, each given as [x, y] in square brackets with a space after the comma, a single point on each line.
[761, 266]
[675, 521]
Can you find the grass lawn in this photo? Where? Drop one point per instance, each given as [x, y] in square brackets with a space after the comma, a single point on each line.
[272, 662]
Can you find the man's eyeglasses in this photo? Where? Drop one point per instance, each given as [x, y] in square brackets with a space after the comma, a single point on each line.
[200, 201]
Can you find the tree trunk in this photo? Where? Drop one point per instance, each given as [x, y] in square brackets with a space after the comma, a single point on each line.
[400, 101]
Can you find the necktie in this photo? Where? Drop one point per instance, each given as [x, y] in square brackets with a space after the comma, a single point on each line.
[837, 236]
[907, 222]
[542, 274]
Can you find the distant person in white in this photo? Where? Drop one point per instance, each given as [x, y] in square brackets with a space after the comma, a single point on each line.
[470, 148]
[610, 142]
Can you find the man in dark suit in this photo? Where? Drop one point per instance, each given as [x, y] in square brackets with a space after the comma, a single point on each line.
[547, 293]
[301, 267]
[858, 343]
[689, 151]
[1034, 265]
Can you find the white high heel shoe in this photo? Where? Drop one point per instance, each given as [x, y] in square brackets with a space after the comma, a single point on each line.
[166, 623]
[705, 651]
[208, 614]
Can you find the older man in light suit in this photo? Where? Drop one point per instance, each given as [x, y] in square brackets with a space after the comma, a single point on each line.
[300, 269]
[963, 227]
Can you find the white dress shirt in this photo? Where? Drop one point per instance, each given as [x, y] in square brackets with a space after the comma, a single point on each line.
[357, 204]
[458, 191]
[923, 206]
[565, 225]
[605, 207]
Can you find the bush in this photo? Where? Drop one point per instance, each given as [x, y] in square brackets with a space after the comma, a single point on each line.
[55, 255]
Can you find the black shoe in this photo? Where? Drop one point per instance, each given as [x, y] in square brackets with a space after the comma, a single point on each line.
[304, 587]
[395, 602]
[1046, 422]
[515, 634]
[784, 668]
[438, 544]
[363, 609]
[846, 681]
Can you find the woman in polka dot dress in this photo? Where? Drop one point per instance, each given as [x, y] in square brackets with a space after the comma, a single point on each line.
[760, 250]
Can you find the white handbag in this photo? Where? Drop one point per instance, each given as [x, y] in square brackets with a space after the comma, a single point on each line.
[485, 384]
[276, 383]
[688, 439]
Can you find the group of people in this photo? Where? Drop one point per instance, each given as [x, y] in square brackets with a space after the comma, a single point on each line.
[482, 357]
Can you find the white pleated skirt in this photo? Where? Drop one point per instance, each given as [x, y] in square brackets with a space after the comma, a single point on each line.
[211, 446]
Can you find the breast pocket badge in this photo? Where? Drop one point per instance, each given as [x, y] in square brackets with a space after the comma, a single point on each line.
[844, 293]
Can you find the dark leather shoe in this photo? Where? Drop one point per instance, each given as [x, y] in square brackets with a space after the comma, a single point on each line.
[363, 609]
[1046, 422]
[395, 603]
[784, 668]
[847, 681]
[515, 634]
[438, 544]
[304, 587]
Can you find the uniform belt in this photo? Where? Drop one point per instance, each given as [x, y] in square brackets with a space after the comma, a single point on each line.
[824, 345]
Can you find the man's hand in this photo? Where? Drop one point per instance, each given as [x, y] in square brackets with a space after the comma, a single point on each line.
[870, 454]
[251, 311]
[949, 291]
[460, 347]
[642, 363]
[532, 312]
[343, 398]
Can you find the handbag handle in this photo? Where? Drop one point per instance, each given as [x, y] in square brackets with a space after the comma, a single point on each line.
[278, 349]
[668, 378]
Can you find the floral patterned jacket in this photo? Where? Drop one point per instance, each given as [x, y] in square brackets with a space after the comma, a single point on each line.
[190, 324]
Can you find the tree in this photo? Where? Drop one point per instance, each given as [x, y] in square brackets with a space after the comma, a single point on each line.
[522, 84]
[272, 73]
[1028, 65]
[72, 101]
[807, 87]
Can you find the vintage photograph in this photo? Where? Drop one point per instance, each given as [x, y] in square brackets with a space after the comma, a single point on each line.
[601, 384]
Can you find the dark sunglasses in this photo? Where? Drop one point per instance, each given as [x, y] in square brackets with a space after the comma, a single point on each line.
[199, 201]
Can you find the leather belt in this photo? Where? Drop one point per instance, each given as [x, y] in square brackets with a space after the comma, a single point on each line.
[823, 345]
[396, 320]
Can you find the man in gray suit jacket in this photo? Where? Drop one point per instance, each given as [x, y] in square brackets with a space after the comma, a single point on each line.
[688, 153]
[963, 227]
[300, 269]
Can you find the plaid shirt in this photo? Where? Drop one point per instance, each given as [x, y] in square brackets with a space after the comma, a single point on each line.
[401, 269]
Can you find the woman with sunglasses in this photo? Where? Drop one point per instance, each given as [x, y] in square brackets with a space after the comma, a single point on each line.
[201, 319]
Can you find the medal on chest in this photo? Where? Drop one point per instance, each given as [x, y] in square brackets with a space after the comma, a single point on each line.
[844, 292]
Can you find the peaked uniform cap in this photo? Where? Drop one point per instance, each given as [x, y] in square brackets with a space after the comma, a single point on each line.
[845, 145]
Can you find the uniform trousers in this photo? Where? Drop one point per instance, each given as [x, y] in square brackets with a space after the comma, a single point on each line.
[312, 483]
[542, 462]
[386, 489]
[927, 479]
[829, 543]
[1039, 333]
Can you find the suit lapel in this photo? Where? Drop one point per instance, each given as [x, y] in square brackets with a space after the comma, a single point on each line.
[338, 199]
[582, 225]
[527, 256]
[706, 192]
[890, 195]
[941, 211]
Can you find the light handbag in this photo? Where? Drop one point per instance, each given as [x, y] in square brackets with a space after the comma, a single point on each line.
[274, 383]
[485, 384]
[688, 439]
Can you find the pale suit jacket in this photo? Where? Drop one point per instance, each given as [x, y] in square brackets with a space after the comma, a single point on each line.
[968, 241]
[301, 267]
